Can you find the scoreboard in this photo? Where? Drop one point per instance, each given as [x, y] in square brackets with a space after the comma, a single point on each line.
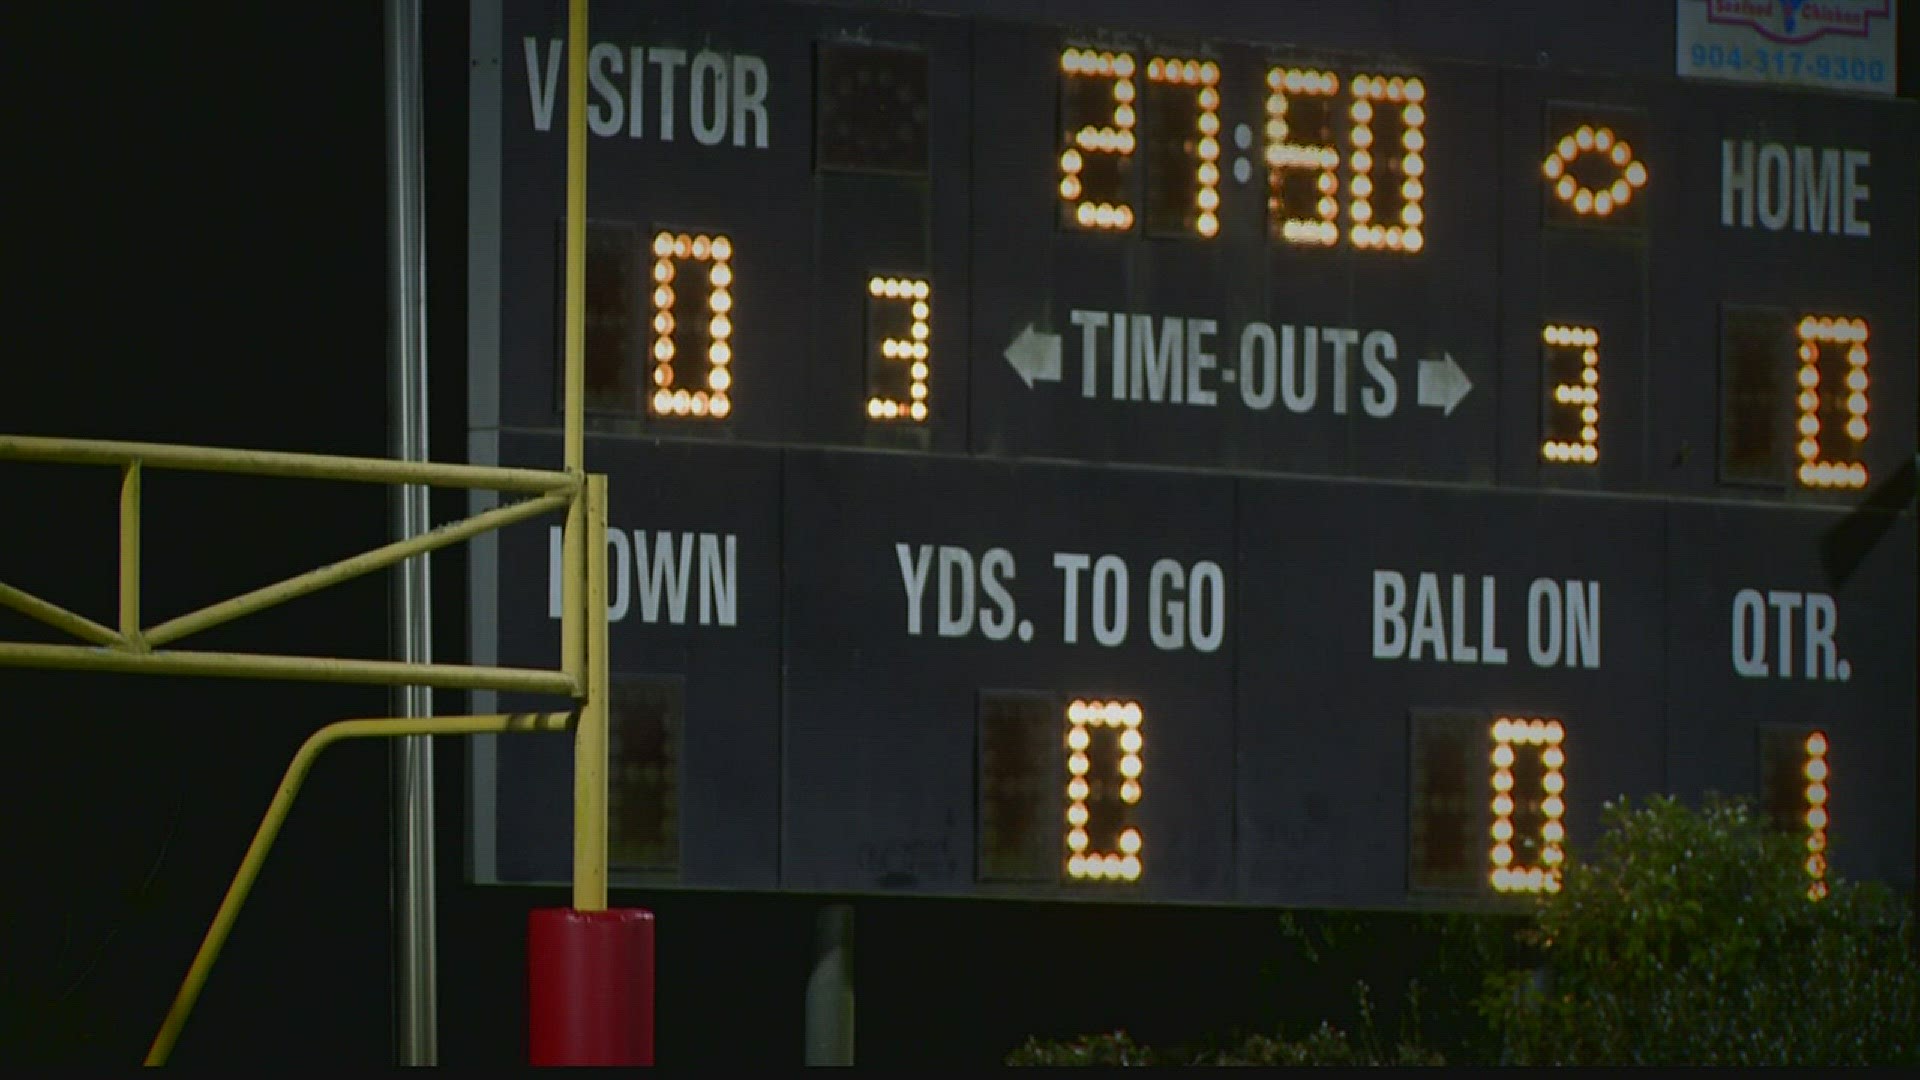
[1257, 462]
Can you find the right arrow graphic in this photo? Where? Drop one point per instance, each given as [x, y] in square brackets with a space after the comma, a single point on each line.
[1442, 383]
[1035, 355]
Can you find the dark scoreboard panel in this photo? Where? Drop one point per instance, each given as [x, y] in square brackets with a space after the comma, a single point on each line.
[857, 670]
[1065, 461]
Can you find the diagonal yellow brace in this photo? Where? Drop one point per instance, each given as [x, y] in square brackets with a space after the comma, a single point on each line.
[263, 837]
[365, 563]
[57, 617]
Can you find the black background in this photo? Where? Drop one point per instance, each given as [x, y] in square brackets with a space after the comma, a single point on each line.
[199, 256]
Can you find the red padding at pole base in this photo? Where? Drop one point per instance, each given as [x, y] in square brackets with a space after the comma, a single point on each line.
[590, 987]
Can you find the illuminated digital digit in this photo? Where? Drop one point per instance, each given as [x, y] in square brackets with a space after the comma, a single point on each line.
[1099, 138]
[714, 329]
[1507, 873]
[1302, 161]
[1593, 192]
[1182, 149]
[1386, 185]
[1108, 799]
[1815, 771]
[1818, 335]
[901, 344]
[1573, 416]
[1381, 170]
[1794, 793]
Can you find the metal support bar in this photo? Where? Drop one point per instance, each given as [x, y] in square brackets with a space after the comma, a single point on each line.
[830, 1016]
[590, 736]
[263, 837]
[276, 463]
[364, 563]
[57, 617]
[415, 945]
[573, 638]
[576, 277]
[573, 643]
[130, 554]
[293, 668]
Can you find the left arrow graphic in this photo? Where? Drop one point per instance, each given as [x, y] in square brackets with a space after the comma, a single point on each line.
[1035, 354]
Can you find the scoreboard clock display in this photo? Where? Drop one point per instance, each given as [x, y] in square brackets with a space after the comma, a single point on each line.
[1250, 463]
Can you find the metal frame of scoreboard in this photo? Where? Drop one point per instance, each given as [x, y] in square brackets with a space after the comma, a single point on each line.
[1084, 463]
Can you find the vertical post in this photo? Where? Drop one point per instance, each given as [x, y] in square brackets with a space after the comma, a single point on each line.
[586, 536]
[590, 735]
[589, 969]
[577, 46]
[572, 632]
[130, 553]
[416, 1006]
[830, 988]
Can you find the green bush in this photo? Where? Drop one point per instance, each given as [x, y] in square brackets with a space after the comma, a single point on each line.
[1439, 961]
[1687, 938]
[1114, 1049]
[1325, 1045]
[1690, 938]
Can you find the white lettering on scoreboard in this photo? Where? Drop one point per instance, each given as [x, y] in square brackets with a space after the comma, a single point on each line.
[952, 592]
[677, 577]
[1449, 620]
[1771, 627]
[662, 93]
[1808, 189]
[1181, 360]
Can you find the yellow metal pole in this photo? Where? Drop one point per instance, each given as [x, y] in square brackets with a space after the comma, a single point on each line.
[281, 464]
[572, 599]
[590, 735]
[130, 554]
[577, 46]
[263, 837]
[56, 616]
[297, 668]
[364, 563]
[572, 633]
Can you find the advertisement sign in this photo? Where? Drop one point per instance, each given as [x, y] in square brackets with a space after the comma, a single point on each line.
[1836, 44]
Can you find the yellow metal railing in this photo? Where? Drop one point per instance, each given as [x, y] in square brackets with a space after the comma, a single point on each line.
[132, 647]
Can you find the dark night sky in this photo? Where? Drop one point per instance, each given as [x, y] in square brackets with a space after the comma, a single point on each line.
[204, 262]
